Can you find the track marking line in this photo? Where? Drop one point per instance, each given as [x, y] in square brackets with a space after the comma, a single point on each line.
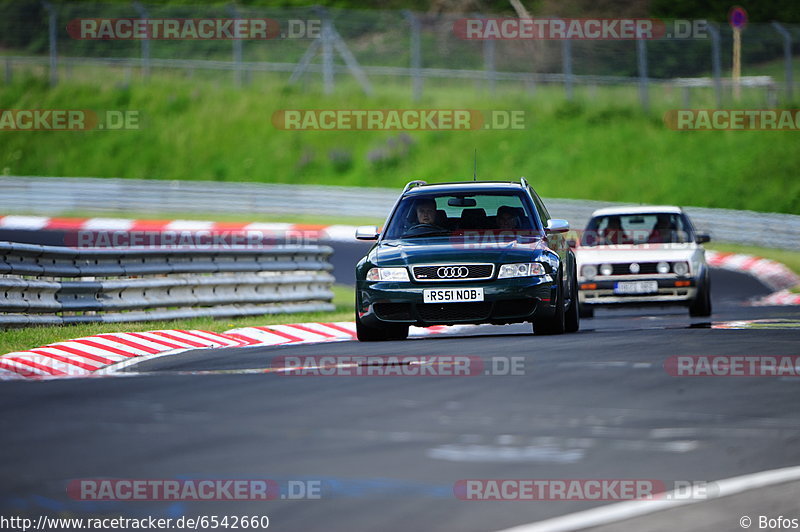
[623, 511]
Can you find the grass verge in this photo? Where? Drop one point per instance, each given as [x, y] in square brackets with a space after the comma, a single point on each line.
[600, 146]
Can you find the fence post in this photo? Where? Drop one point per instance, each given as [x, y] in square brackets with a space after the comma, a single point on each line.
[488, 63]
[787, 57]
[145, 42]
[641, 62]
[327, 52]
[566, 57]
[53, 37]
[237, 50]
[716, 63]
[416, 55]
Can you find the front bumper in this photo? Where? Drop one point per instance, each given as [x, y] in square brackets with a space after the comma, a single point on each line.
[600, 291]
[505, 301]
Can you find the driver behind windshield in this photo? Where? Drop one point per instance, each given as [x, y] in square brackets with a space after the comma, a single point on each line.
[426, 211]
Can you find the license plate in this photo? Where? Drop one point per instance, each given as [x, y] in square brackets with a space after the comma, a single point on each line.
[636, 287]
[452, 295]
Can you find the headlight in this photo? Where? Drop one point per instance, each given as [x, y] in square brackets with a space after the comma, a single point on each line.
[662, 267]
[606, 269]
[525, 269]
[589, 271]
[680, 268]
[387, 274]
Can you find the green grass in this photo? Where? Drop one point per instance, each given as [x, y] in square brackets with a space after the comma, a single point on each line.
[31, 337]
[599, 147]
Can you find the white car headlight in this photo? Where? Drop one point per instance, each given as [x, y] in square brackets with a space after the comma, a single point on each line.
[387, 274]
[606, 269]
[680, 268]
[524, 269]
[589, 271]
[662, 267]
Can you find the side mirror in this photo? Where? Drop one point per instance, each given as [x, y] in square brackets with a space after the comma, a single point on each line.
[702, 238]
[555, 225]
[367, 232]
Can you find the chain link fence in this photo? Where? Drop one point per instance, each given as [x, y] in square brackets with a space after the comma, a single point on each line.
[327, 48]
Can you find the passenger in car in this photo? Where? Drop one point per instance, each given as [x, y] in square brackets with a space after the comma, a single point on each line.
[664, 230]
[507, 218]
[614, 233]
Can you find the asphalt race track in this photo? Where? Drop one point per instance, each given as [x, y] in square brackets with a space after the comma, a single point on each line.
[387, 451]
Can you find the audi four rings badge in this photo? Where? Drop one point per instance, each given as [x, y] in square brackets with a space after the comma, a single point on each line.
[452, 272]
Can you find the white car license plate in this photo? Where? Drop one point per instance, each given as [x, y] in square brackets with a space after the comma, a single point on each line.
[636, 287]
[452, 295]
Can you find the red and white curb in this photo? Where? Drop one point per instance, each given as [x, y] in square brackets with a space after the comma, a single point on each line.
[104, 353]
[774, 274]
[84, 356]
[334, 233]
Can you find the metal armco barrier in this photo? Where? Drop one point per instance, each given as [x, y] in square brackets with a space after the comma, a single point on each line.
[34, 195]
[57, 285]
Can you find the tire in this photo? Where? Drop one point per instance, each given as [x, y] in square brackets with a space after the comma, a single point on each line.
[364, 333]
[701, 306]
[586, 311]
[572, 319]
[556, 324]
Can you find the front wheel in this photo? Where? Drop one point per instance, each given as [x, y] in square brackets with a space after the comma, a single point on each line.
[365, 333]
[701, 306]
[556, 324]
[572, 319]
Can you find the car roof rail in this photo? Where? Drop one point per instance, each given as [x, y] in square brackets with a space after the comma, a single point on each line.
[523, 181]
[412, 184]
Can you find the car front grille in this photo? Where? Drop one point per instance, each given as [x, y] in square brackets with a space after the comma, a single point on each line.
[453, 272]
[645, 268]
[454, 311]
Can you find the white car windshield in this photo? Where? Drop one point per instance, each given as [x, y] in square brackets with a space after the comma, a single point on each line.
[650, 228]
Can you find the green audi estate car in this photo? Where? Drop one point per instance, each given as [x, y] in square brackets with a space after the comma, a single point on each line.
[468, 252]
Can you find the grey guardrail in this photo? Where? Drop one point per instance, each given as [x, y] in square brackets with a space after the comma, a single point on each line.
[35, 195]
[57, 285]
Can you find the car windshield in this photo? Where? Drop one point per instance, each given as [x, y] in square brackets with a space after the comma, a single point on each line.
[504, 215]
[650, 228]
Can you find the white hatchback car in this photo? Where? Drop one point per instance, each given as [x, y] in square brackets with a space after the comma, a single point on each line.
[642, 256]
